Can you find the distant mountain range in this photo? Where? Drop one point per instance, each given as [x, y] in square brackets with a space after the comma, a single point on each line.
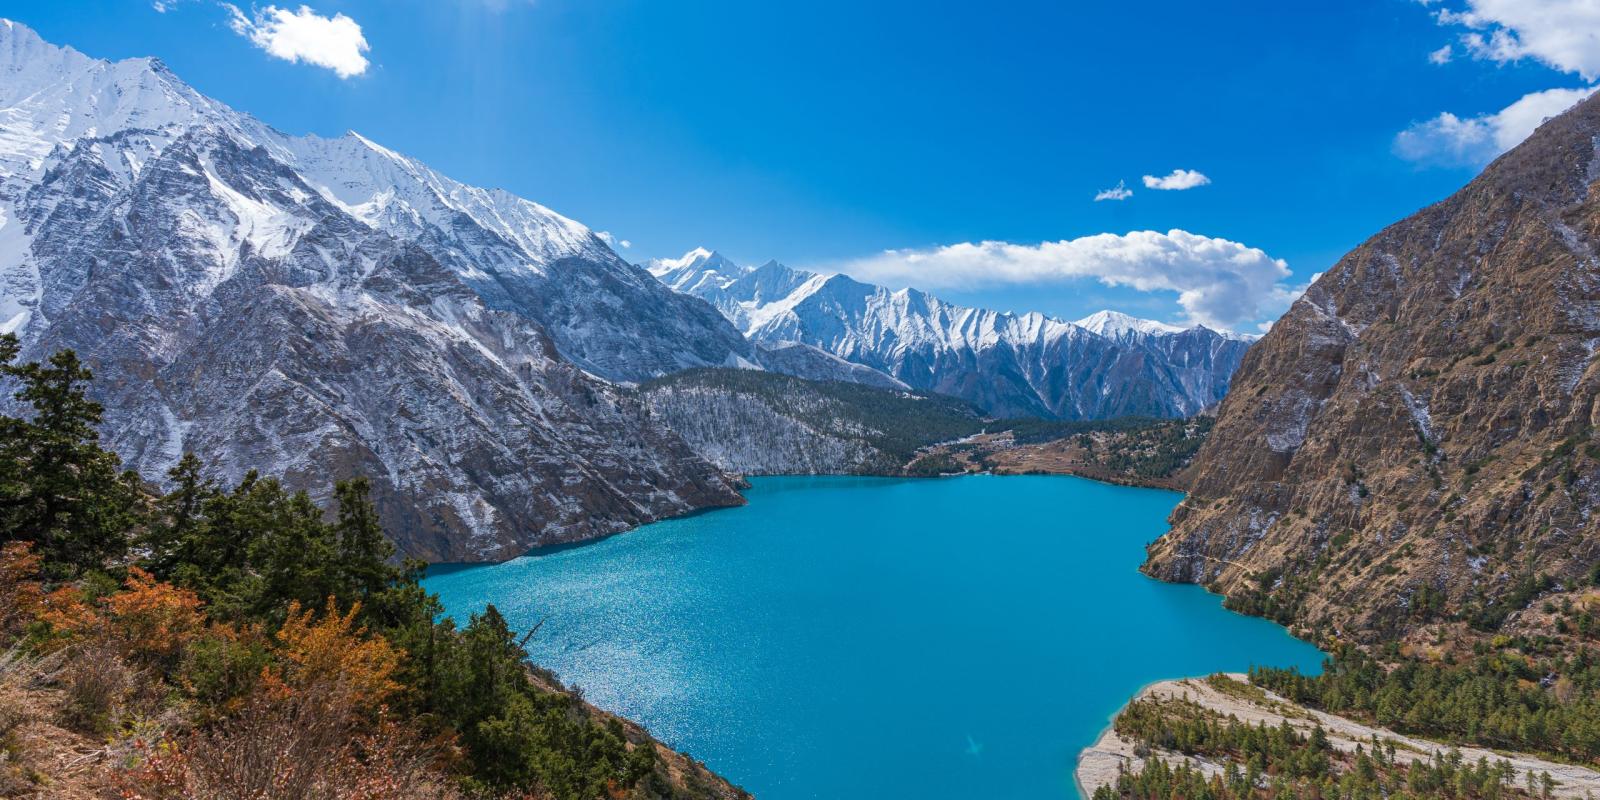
[1010, 365]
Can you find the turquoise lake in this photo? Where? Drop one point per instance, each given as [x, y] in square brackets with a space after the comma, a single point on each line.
[877, 637]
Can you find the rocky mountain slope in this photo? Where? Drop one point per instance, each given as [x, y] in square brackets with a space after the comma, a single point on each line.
[765, 423]
[259, 298]
[1413, 442]
[1010, 365]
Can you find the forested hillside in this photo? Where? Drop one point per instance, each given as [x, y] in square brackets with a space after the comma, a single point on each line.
[242, 642]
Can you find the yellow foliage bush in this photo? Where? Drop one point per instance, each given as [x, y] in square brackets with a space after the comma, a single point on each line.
[332, 656]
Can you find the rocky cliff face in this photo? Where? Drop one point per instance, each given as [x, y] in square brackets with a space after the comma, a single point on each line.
[763, 436]
[1010, 365]
[316, 308]
[1414, 439]
[764, 423]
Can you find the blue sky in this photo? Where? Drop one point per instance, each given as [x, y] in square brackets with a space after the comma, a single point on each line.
[882, 138]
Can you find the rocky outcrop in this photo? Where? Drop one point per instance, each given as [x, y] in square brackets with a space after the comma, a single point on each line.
[1010, 365]
[317, 308]
[1413, 441]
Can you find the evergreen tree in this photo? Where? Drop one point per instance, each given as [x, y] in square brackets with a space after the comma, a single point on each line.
[364, 551]
[295, 554]
[59, 489]
[180, 524]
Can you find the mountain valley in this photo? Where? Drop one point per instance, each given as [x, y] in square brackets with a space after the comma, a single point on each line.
[297, 433]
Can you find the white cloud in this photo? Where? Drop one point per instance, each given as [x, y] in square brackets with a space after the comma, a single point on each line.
[1118, 192]
[333, 42]
[1286, 298]
[1449, 140]
[1562, 34]
[1219, 283]
[1179, 180]
[612, 241]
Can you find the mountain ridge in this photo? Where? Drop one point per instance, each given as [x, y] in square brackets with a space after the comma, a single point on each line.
[1410, 447]
[256, 297]
[1008, 364]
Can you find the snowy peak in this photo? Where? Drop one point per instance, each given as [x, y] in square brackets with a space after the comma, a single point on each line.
[20, 45]
[698, 259]
[15, 36]
[1115, 324]
[314, 308]
[51, 95]
[1108, 364]
[768, 283]
[696, 272]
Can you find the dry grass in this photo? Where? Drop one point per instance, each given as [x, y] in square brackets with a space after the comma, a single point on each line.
[39, 758]
[96, 685]
[300, 748]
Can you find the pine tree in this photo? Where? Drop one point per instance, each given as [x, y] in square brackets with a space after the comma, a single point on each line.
[180, 525]
[60, 489]
[364, 551]
[295, 556]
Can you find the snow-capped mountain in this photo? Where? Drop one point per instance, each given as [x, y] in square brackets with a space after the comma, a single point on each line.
[318, 307]
[1106, 365]
[1117, 325]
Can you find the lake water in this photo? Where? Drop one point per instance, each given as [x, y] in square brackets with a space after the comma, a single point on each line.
[876, 637]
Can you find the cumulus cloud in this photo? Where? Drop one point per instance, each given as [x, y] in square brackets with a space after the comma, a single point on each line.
[1118, 192]
[1562, 34]
[1179, 180]
[612, 241]
[1449, 140]
[1219, 283]
[303, 35]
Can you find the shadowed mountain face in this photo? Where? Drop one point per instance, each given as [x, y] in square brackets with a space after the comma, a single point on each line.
[1415, 436]
[1106, 365]
[316, 308]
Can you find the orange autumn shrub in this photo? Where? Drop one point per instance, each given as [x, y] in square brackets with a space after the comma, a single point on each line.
[148, 620]
[154, 619]
[333, 656]
[68, 615]
[21, 594]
